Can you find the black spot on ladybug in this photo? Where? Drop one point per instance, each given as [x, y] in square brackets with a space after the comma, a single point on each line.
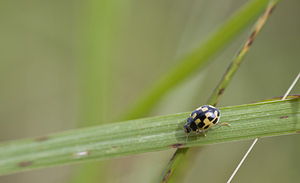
[215, 121]
[193, 126]
[202, 116]
[210, 118]
[206, 127]
[200, 125]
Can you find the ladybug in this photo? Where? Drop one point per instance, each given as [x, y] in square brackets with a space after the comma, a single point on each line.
[202, 119]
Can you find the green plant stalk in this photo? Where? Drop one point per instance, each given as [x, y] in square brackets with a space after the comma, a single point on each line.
[214, 99]
[173, 163]
[97, 35]
[147, 135]
[191, 62]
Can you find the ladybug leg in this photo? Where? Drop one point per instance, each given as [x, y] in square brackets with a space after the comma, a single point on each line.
[203, 132]
[224, 124]
[197, 133]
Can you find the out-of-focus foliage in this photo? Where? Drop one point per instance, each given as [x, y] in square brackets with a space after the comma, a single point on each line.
[42, 53]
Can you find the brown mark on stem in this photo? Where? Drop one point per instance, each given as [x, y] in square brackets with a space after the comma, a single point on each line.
[251, 39]
[43, 138]
[177, 145]
[167, 176]
[221, 91]
[173, 156]
[25, 163]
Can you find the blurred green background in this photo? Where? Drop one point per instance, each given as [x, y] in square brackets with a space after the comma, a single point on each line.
[68, 64]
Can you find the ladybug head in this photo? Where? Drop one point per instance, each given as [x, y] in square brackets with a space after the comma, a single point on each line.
[187, 129]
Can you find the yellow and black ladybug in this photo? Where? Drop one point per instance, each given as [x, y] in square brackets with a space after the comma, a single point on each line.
[202, 119]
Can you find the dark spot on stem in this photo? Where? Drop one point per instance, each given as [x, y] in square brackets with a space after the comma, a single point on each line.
[250, 42]
[251, 38]
[297, 131]
[221, 91]
[173, 156]
[253, 34]
[282, 117]
[167, 176]
[25, 163]
[272, 9]
[177, 145]
[43, 138]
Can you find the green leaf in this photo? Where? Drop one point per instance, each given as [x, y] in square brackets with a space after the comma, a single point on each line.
[147, 135]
